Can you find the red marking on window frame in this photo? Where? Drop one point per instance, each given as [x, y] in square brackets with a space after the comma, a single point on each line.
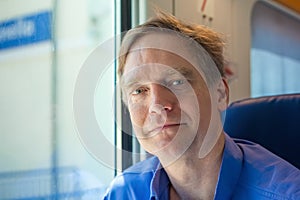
[203, 5]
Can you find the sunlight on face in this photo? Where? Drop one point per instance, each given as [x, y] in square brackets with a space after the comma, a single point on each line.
[161, 90]
[169, 100]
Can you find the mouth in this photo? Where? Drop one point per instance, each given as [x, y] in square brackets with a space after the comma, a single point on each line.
[166, 127]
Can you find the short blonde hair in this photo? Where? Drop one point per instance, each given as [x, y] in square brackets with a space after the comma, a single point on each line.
[210, 40]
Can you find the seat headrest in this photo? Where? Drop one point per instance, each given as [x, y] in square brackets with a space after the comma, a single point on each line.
[271, 121]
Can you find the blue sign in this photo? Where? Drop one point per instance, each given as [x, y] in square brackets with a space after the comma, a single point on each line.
[25, 30]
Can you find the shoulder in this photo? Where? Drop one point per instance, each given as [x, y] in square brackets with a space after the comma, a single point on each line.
[267, 173]
[134, 182]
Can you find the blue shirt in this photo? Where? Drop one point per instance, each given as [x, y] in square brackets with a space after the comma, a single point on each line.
[248, 171]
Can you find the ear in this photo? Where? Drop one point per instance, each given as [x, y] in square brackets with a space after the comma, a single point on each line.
[222, 94]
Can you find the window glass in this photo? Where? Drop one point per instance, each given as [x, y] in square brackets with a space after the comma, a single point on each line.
[275, 53]
[43, 45]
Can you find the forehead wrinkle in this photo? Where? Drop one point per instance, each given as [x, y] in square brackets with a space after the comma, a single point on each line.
[156, 56]
[139, 57]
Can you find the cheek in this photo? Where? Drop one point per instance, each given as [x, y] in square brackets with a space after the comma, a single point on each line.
[205, 105]
[190, 109]
[197, 105]
[190, 106]
[138, 114]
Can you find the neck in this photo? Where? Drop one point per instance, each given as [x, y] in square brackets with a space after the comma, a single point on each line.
[196, 178]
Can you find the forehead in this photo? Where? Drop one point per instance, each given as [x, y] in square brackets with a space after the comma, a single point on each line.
[144, 65]
[161, 47]
[152, 57]
[156, 65]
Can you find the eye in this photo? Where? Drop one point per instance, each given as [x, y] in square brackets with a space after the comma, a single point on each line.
[138, 91]
[178, 82]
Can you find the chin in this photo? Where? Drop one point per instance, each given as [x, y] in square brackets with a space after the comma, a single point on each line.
[169, 153]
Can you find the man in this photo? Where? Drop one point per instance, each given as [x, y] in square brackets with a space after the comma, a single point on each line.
[172, 80]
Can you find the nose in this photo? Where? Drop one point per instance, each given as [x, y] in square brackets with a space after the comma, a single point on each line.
[162, 99]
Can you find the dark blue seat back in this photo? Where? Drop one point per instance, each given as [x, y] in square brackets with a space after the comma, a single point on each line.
[272, 121]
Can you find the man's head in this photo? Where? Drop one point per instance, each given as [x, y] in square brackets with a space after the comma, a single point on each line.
[171, 79]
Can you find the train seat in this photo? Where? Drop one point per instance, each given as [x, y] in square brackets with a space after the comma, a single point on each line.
[271, 121]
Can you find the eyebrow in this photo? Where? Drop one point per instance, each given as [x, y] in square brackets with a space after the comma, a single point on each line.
[129, 84]
[131, 80]
[182, 70]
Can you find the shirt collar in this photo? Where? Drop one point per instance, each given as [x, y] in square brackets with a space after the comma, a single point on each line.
[159, 188]
[230, 170]
[228, 178]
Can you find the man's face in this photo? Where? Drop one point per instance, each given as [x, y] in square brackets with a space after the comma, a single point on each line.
[168, 100]
[171, 107]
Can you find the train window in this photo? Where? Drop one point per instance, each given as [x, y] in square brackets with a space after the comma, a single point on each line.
[275, 53]
[42, 47]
